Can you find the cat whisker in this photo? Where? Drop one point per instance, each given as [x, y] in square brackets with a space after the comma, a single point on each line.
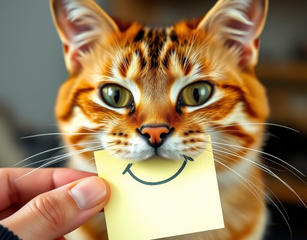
[263, 157]
[253, 191]
[262, 190]
[100, 131]
[263, 168]
[266, 124]
[193, 41]
[111, 155]
[257, 195]
[50, 150]
[117, 47]
[55, 159]
[186, 49]
[55, 134]
[229, 163]
[61, 157]
[95, 148]
[258, 165]
[231, 131]
[197, 52]
[258, 151]
[44, 160]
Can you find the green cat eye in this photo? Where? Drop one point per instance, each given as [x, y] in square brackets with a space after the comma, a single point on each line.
[116, 96]
[195, 94]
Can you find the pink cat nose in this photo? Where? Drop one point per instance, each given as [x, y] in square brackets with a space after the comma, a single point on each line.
[155, 134]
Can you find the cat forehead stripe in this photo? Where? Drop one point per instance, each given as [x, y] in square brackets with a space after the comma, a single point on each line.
[155, 41]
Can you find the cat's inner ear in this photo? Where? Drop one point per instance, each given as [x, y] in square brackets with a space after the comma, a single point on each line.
[80, 25]
[238, 23]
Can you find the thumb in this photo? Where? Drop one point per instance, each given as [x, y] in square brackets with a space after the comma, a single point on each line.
[60, 211]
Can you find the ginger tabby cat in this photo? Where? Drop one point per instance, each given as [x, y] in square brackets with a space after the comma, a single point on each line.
[138, 92]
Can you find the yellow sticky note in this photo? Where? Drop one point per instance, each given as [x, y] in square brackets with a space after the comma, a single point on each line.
[159, 198]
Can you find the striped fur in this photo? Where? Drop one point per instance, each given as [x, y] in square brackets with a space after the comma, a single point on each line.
[155, 65]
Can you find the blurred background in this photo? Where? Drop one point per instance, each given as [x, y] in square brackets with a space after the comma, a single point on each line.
[32, 69]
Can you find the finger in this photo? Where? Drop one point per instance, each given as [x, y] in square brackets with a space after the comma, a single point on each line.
[56, 213]
[19, 185]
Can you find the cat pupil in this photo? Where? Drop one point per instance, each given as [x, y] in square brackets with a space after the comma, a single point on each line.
[196, 94]
[116, 96]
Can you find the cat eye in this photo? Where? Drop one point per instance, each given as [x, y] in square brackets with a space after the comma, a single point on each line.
[195, 94]
[116, 96]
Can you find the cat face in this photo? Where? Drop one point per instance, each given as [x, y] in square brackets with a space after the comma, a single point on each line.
[139, 92]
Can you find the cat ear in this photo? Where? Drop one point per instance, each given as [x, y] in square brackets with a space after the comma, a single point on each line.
[238, 23]
[80, 24]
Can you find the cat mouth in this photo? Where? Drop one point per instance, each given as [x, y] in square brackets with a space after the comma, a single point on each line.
[129, 171]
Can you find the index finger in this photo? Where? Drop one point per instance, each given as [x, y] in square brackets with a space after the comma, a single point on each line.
[18, 189]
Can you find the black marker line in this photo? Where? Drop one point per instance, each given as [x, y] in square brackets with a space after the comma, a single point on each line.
[127, 169]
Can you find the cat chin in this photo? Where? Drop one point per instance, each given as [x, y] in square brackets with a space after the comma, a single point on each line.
[159, 153]
[135, 156]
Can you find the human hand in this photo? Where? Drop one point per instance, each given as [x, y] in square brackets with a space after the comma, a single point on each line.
[49, 203]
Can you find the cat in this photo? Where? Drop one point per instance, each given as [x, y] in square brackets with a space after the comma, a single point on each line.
[138, 92]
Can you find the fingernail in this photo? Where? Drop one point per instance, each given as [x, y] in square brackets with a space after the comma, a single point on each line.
[89, 193]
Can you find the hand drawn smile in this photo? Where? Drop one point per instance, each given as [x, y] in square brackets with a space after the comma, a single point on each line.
[128, 169]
